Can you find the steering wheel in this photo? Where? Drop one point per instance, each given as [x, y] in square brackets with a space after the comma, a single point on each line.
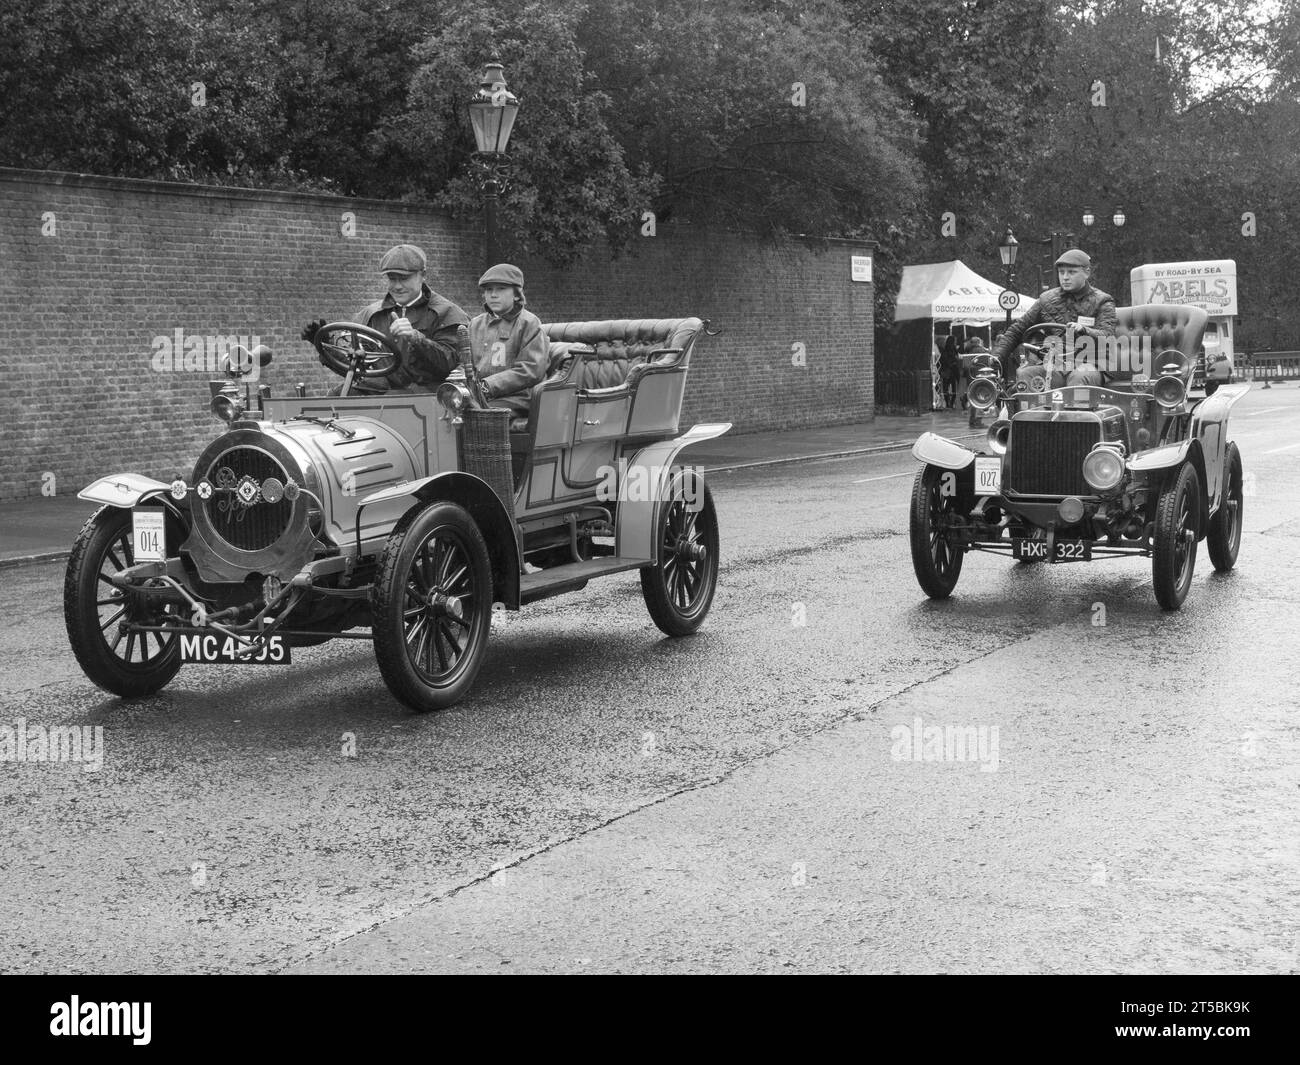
[365, 353]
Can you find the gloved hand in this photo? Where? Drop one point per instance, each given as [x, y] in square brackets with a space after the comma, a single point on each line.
[311, 329]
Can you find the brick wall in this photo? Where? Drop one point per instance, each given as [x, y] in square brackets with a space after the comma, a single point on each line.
[93, 271]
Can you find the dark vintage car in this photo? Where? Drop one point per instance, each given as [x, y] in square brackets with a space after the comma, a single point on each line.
[402, 513]
[1076, 473]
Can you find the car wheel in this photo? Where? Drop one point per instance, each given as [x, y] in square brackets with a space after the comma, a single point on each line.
[934, 558]
[678, 589]
[1224, 536]
[1210, 388]
[1173, 555]
[128, 664]
[432, 607]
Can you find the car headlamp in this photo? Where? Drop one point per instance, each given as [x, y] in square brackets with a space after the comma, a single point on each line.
[1103, 469]
[982, 393]
[1169, 391]
[228, 404]
[454, 399]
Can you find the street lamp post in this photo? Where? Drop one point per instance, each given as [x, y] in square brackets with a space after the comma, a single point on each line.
[492, 112]
[1007, 249]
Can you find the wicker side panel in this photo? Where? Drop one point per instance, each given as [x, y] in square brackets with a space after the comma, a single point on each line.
[485, 451]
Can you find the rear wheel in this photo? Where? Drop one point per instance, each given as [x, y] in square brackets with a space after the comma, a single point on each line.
[432, 606]
[678, 589]
[97, 612]
[1224, 536]
[936, 560]
[1173, 555]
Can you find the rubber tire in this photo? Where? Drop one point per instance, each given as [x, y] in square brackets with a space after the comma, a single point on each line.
[1223, 538]
[659, 581]
[81, 589]
[1211, 387]
[452, 523]
[937, 576]
[1171, 581]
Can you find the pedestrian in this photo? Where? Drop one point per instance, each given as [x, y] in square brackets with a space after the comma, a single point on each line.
[949, 371]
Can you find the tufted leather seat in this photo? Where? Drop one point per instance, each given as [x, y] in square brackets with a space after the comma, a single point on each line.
[1168, 325]
[613, 353]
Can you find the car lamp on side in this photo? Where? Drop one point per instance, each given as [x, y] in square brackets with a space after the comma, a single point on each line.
[1172, 371]
[982, 393]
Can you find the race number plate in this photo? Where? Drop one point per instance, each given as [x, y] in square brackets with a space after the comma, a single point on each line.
[988, 475]
[214, 649]
[1062, 550]
[148, 535]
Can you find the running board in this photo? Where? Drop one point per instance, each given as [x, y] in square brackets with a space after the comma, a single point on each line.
[570, 577]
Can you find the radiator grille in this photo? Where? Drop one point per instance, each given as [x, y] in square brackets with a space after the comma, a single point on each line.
[1047, 457]
[248, 525]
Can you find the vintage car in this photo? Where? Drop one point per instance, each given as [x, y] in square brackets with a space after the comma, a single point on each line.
[1075, 473]
[405, 513]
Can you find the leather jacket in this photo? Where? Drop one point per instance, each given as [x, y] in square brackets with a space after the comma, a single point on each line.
[429, 357]
[1057, 305]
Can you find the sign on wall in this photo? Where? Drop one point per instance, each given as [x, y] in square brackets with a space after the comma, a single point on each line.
[861, 267]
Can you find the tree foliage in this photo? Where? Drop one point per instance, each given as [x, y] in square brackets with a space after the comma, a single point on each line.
[869, 118]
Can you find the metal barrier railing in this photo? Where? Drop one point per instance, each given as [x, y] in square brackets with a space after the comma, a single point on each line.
[1274, 367]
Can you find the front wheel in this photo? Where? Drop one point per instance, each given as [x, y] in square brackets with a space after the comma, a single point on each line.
[1224, 536]
[678, 589]
[1173, 554]
[98, 614]
[936, 560]
[432, 607]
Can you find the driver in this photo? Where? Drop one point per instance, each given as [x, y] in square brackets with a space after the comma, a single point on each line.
[1084, 310]
[420, 324]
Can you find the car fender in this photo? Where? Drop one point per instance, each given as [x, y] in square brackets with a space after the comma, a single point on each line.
[499, 530]
[642, 487]
[1210, 428]
[940, 451]
[123, 490]
[1159, 458]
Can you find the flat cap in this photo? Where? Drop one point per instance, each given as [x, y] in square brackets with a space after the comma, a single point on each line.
[502, 274]
[1074, 257]
[404, 259]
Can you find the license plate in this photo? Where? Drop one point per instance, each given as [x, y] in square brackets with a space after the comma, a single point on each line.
[213, 649]
[149, 535]
[1062, 550]
[988, 475]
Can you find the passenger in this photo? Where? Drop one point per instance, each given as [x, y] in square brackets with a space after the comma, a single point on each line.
[509, 348]
[420, 324]
[1075, 302]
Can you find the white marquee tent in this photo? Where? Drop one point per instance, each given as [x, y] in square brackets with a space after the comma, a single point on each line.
[952, 292]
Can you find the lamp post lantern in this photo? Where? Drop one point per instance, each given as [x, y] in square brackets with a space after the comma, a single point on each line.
[1007, 249]
[492, 112]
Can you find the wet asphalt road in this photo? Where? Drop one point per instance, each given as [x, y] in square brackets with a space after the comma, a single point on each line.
[610, 800]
